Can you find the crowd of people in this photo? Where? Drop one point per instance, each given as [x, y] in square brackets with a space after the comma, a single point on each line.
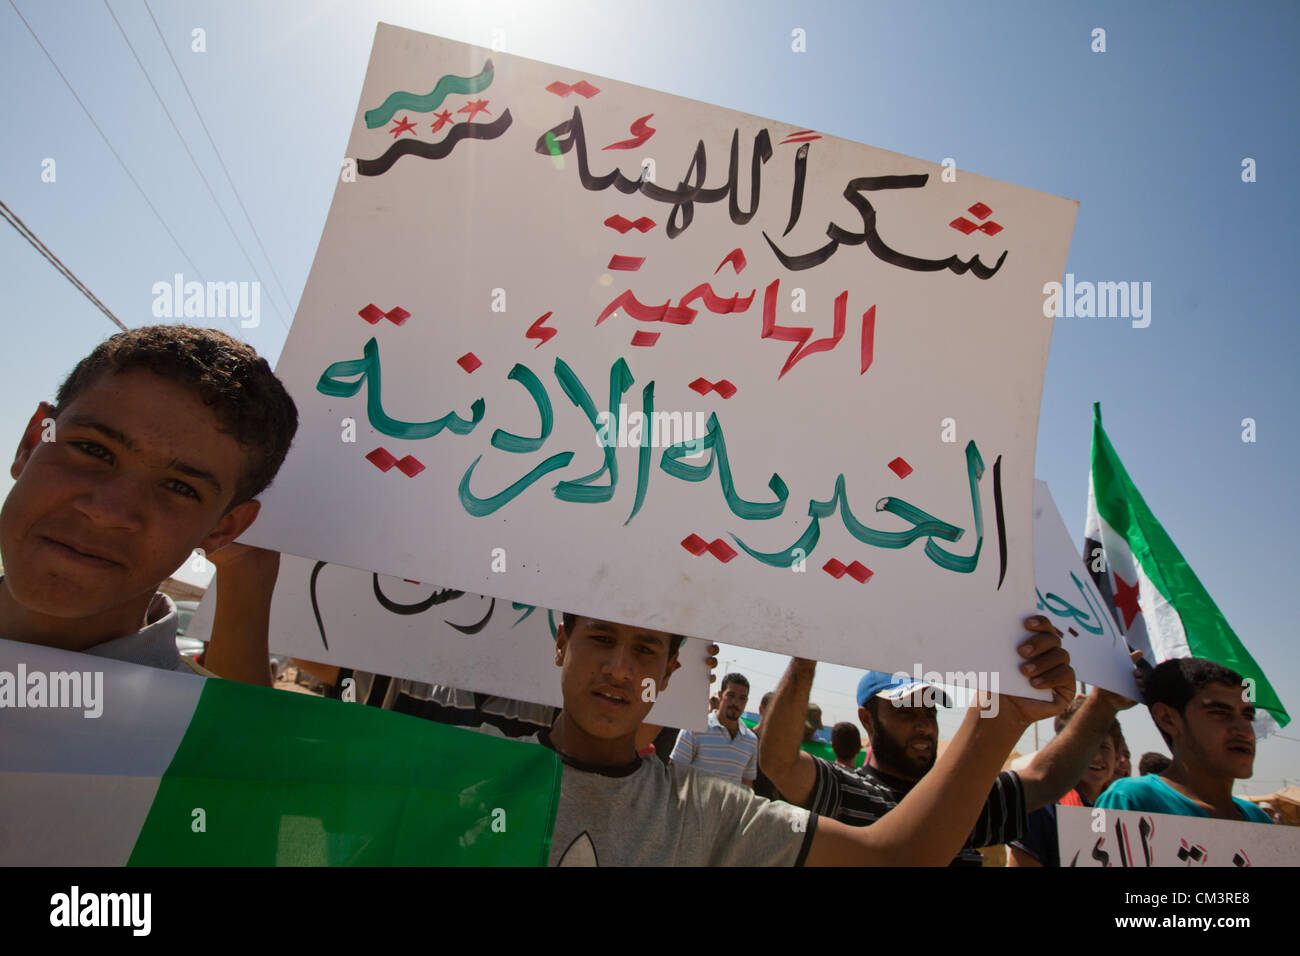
[159, 443]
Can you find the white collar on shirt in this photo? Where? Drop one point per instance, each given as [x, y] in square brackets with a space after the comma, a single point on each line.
[741, 729]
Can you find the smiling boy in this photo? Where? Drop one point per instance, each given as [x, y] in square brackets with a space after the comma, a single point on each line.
[158, 443]
[1039, 845]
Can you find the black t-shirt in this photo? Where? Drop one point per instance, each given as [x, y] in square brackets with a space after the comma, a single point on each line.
[862, 797]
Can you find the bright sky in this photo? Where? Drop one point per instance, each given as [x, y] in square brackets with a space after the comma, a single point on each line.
[1149, 136]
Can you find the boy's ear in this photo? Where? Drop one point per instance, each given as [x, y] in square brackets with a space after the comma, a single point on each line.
[1164, 717]
[674, 663]
[561, 643]
[31, 438]
[232, 524]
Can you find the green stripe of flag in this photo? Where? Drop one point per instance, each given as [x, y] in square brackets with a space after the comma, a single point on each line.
[283, 779]
[1207, 632]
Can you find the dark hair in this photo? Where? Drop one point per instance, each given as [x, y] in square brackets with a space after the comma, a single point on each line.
[229, 376]
[1153, 762]
[845, 741]
[1063, 719]
[569, 621]
[733, 678]
[1175, 682]
[767, 699]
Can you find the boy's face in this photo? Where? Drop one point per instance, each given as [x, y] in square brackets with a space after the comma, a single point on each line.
[1123, 766]
[138, 476]
[1214, 731]
[1101, 770]
[611, 675]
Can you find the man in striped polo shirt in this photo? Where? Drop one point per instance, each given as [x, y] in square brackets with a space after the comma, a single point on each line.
[728, 748]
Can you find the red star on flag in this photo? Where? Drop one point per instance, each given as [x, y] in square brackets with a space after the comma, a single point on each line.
[1126, 599]
[475, 106]
[443, 119]
[403, 126]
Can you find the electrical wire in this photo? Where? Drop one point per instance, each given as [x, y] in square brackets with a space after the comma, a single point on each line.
[194, 161]
[107, 143]
[12, 218]
[217, 153]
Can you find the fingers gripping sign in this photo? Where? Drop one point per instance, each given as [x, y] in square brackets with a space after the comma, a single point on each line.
[712, 662]
[1047, 665]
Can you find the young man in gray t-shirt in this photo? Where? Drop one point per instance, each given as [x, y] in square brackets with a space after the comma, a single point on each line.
[618, 810]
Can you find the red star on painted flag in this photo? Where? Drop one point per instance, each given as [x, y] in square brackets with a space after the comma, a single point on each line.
[1126, 599]
[475, 106]
[403, 126]
[443, 119]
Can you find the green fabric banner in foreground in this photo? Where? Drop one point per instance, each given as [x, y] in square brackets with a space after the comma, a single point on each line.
[179, 770]
[1158, 602]
[288, 780]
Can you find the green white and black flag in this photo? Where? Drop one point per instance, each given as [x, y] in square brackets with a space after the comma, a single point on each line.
[164, 769]
[1159, 604]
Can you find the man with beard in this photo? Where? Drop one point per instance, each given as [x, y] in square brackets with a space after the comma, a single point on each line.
[1204, 712]
[901, 720]
[727, 748]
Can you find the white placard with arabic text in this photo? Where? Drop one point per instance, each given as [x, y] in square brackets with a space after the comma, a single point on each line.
[1070, 599]
[537, 287]
[1130, 838]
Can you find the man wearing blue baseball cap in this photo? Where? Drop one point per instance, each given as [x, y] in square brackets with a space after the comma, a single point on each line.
[904, 739]
[900, 716]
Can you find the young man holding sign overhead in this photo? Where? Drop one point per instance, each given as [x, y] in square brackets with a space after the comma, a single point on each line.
[610, 796]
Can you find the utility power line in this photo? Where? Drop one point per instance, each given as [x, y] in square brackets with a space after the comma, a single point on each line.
[194, 161]
[216, 152]
[107, 143]
[12, 218]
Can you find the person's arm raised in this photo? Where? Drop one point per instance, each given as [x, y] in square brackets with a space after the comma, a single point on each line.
[792, 771]
[934, 820]
[237, 649]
